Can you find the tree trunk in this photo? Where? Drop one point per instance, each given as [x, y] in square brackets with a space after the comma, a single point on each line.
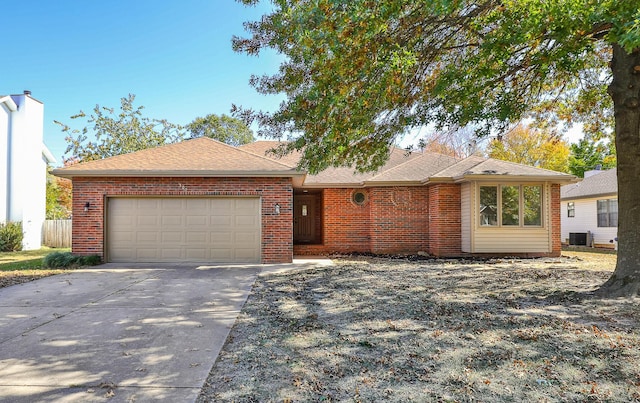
[625, 91]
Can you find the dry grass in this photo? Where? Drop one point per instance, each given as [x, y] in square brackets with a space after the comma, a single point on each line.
[394, 330]
[24, 266]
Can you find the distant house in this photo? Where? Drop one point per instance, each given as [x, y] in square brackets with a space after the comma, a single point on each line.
[23, 165]
[590, 210]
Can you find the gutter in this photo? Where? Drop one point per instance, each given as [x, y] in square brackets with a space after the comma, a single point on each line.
[514, 178]
[298, 177]
[591, 196]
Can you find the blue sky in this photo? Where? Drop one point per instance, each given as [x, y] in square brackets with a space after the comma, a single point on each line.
[175, 56]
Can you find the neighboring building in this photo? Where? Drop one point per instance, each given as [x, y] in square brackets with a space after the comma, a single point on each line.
[23, 165]
[590, 210]
[204, 201]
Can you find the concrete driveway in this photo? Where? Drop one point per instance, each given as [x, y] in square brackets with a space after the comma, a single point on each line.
[116, 333]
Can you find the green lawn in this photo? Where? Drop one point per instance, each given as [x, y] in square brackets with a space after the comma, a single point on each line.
[23, 266]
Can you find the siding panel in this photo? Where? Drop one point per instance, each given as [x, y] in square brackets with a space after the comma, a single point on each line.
[586, 219]
[511, 240]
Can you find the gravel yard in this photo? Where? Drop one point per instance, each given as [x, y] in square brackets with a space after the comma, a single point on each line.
[371, 329]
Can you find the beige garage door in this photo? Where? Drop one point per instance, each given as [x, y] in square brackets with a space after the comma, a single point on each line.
[216, 230]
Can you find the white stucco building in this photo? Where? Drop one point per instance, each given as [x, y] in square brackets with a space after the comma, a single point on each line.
[23, 165]
[590, 210]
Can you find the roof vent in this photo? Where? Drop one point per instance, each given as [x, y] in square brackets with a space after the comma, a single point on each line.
[490, 171]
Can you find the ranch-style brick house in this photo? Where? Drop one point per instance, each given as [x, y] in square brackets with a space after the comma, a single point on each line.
[204, 201]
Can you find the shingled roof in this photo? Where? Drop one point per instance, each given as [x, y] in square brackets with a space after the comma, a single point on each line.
[196, 157]
[418, 168]
[332, 176]
[475, 167]
[206, 157]
[600, 184]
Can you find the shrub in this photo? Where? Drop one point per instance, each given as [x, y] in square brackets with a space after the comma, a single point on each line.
[57, 260]
[11, 237]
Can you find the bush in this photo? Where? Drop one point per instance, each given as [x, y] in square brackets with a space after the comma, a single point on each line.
[58, 260]
[11, 237]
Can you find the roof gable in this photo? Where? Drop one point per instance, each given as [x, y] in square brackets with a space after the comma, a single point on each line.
[417, 169]
[197, 157]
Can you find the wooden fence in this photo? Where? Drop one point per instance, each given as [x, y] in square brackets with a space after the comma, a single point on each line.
[56, 233]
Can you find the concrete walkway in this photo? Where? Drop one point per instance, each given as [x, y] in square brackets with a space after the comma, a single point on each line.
[120, 333]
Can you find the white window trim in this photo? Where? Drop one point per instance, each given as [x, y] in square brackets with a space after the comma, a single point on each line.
[520, 205]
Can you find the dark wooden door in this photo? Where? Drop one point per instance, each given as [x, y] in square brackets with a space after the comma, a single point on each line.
[304, 219]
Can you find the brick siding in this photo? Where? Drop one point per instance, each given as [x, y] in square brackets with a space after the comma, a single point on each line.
[88, 227]
[445, 238]
[556, 235]
[392, 220]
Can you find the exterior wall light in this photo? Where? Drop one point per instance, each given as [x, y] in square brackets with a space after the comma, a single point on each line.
[86, 207]
[277, 209]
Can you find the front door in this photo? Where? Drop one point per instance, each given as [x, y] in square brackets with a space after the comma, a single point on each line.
[304, 219]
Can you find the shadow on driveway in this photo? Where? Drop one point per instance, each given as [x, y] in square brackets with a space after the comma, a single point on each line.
[139, 332]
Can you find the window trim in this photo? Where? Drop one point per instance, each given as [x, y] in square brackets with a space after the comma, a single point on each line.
[608, 213]
[521, 205]
[571, 209]
[355, 195]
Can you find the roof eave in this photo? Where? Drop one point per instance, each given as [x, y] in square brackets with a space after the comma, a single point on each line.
[393, 183]
[336, 185]
[75, 173]
[590, 196]
[46, 153]
[11, 105]
[562, 178]
[446, 179]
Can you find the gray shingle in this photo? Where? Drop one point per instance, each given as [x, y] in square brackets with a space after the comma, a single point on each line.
[603, 183]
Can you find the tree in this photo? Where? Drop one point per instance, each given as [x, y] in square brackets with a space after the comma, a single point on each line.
[456, 142]
[588, 154]
[222, 128]
[530, 146]
[360, 73]
[117, 133]
[58, 198]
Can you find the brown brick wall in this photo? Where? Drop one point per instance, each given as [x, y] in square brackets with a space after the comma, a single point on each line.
[556, 235]
[393, 220]
[399, 219]
[444, 220]
[88, 227]
[346, 225]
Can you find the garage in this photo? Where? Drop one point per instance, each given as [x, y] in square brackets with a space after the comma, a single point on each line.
[183, 229]
[198, 200]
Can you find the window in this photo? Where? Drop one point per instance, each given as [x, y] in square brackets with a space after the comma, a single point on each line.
[608, 213]
[510, 205]
[359, 198]
[488, 205]
[571, 209]
[514, 205]
[532, 200]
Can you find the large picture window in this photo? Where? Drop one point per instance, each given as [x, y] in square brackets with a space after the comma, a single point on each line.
[511, 205]
[608, 213]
